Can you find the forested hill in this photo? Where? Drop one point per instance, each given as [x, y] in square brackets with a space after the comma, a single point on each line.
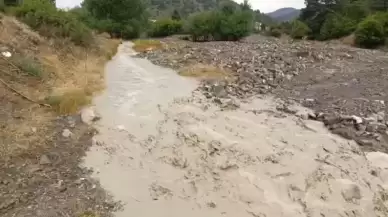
[184, 7]
[165, 8]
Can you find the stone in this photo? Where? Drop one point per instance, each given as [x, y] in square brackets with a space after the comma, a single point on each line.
[88, 116]
[366, 142]
[67, 133]
[44, 160]
[357, 119]
[350, 191]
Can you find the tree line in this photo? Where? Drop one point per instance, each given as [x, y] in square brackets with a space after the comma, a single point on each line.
[319, 20]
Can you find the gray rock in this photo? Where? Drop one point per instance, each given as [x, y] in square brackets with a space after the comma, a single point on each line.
[44, 160]
[366, 142]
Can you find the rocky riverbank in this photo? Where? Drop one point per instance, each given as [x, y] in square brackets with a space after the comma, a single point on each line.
[345, 86]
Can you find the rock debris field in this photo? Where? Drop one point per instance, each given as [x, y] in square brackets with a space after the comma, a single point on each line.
[255, 144]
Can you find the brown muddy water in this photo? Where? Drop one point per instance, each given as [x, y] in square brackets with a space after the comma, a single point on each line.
[164, 150]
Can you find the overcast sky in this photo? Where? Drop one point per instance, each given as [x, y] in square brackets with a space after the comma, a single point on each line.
[264, 6]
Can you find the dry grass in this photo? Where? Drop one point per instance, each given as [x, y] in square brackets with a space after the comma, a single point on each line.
[69, 102]
[204, 71]
[142, 45]
[75, 74]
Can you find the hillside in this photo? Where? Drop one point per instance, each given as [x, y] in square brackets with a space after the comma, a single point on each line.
[185, 7]
[284, 14]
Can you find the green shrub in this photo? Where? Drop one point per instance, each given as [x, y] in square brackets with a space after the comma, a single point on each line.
[382, 17]
[299, 30]
[120, 18]
[219, 25]
[165, 27]
[44, 17]
[2, 6]
[275, 32]
[369, 33]
[337, 26]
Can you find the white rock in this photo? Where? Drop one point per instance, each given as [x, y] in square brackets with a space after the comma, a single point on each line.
[6, 54]
[67, 133]
[357, 119]
[88, 115]
[120, 127]
[378, 159]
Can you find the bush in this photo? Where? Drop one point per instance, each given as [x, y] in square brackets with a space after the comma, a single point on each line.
[337, 26]
[43, 16]
[120, 18]
[275, 32]
[299, 30]
[382, 17]
[370, 33]
[219, 25]
[165, 27]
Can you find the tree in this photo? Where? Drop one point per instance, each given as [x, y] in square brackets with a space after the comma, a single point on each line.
[127, 17]
[299, 30]
[379, 5]
[175, 15]
[370, 33]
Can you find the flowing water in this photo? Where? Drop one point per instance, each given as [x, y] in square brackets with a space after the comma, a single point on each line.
[164, 150]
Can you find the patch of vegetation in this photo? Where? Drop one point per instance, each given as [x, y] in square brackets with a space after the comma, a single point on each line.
[299, 30]
[336, 26]
[274, 31]
[340, 18]
[165, 27]
[142, 45]
[203, 71]
[89, 214]
[43, 16]
[120, 18]
[28, 65]
[370, 33]
[230, 23]
[69, 102]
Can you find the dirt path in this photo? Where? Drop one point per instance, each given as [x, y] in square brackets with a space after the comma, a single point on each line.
[165, 150]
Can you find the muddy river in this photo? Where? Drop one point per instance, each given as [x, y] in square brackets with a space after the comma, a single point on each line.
[164, 150]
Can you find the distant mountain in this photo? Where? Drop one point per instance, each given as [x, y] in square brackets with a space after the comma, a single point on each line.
[284, 14]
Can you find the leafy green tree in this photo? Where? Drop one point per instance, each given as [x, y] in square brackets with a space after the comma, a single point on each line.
[44, 17]
[370, 33]
[299, 30]
[379, 5]
[336, 26]
[128, 17]
[228, 23]
[175, 15]
[165, 27]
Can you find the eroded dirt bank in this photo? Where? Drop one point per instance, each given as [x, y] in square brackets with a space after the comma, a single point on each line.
[165, 149]
[40, 151]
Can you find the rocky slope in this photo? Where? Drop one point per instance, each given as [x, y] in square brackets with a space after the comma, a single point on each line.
[344, 86]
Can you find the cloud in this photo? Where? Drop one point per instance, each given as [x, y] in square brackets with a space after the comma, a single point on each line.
[68, 3]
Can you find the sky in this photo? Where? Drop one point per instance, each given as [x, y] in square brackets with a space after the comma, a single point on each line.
[265, 6]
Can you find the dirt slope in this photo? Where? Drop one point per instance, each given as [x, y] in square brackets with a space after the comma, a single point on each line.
[39, 173]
